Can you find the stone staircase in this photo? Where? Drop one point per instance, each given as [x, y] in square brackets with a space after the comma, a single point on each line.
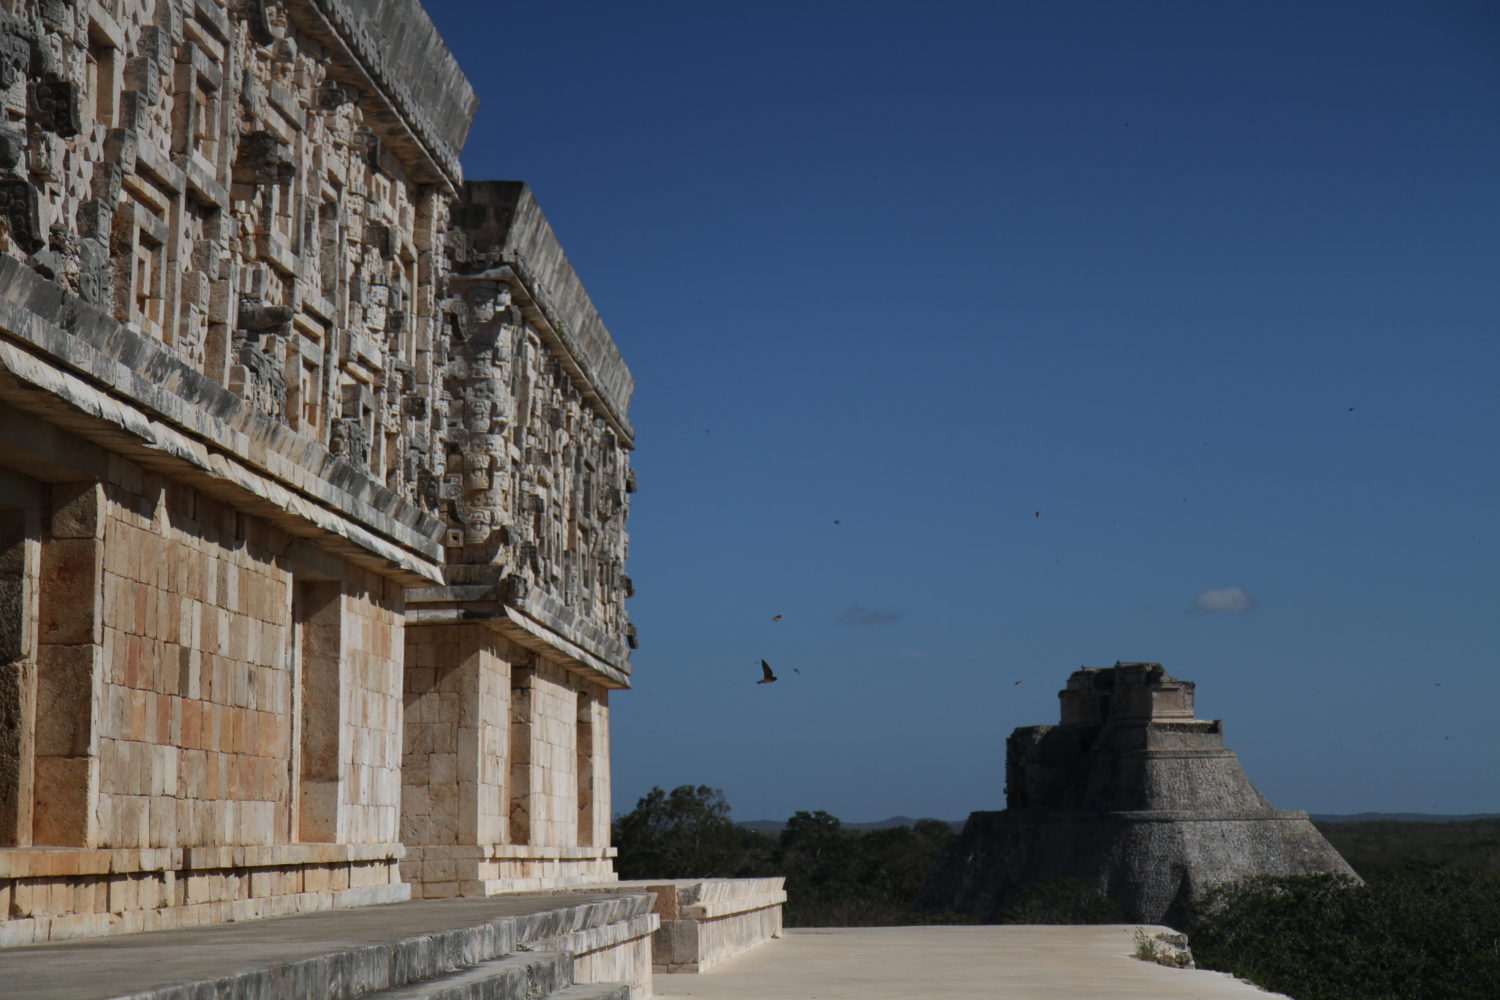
[522, 976]
[531, 947]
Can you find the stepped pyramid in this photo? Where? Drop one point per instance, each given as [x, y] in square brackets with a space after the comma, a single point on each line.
[1129, 791]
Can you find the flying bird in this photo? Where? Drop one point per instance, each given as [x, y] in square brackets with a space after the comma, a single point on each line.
[835, 520]
[1036, 514]
[766, 669]
[776, 618]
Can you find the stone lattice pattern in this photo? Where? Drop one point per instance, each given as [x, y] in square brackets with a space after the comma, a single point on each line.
[314, 464]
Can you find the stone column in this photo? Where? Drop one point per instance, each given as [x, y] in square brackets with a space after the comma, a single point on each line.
[70, 648]
[19, 528]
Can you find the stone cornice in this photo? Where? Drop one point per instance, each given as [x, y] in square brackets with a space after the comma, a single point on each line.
[515, 241]
[397, 55]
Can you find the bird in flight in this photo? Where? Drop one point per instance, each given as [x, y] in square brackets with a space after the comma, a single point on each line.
[766, 669]
[776, 618]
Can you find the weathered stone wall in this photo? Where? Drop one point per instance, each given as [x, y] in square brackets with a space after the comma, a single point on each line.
[255, 383]
[220, 243]
[538, 467]
[163, 715]
[536, 492]
[222, 180]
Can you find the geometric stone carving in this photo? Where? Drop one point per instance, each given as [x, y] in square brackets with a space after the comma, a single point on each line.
[367, 144]
[332, 95]
[349, 439]
[512, 589]
[19, 209]
[15, 52]
[349, 436]
[12, 147]
[53, 104]
[257, 374]
[255, 12]
[378, 236]
[262, 158]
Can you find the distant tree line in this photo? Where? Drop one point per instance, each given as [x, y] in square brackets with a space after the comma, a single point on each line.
[835, 877]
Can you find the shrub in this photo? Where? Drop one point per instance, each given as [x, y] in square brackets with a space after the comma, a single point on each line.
[1429, 935]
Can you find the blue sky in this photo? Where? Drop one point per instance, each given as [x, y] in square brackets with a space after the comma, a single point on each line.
[978, 340]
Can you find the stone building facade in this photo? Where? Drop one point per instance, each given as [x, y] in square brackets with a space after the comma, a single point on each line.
[1131, 795]
[314, 464]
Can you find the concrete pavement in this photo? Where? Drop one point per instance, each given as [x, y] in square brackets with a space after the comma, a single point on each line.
[956, 963]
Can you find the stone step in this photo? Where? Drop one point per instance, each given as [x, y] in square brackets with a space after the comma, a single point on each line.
[526, 975]
[357, 954]
[593, 991]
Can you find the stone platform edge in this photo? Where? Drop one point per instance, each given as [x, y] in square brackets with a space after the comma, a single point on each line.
[706, 921]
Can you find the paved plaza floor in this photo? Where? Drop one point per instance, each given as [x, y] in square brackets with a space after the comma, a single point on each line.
[956, 963]
[863, 963]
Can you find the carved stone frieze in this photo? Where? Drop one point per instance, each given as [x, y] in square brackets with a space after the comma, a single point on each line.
[19, 209]
[195, 161]
[512, 588]
[332, 95]
[52, 103]
[15, 52]
[350, 440]
[12, 148]
[367, 145]
[263, 158]
[378, 237]
[256, 14]
[257, 376]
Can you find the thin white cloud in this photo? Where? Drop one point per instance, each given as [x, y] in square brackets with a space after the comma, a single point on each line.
[1232, 600]
[858, 614]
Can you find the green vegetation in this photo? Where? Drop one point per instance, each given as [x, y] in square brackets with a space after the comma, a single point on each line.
[1066, 901]
[1431, 935]
[1425, 926]
[1376, 848]
[834, 877]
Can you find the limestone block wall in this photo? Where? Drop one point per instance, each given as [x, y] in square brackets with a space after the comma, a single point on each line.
[706, 921]
[167, 712]
[195, 726]
[504, 763]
